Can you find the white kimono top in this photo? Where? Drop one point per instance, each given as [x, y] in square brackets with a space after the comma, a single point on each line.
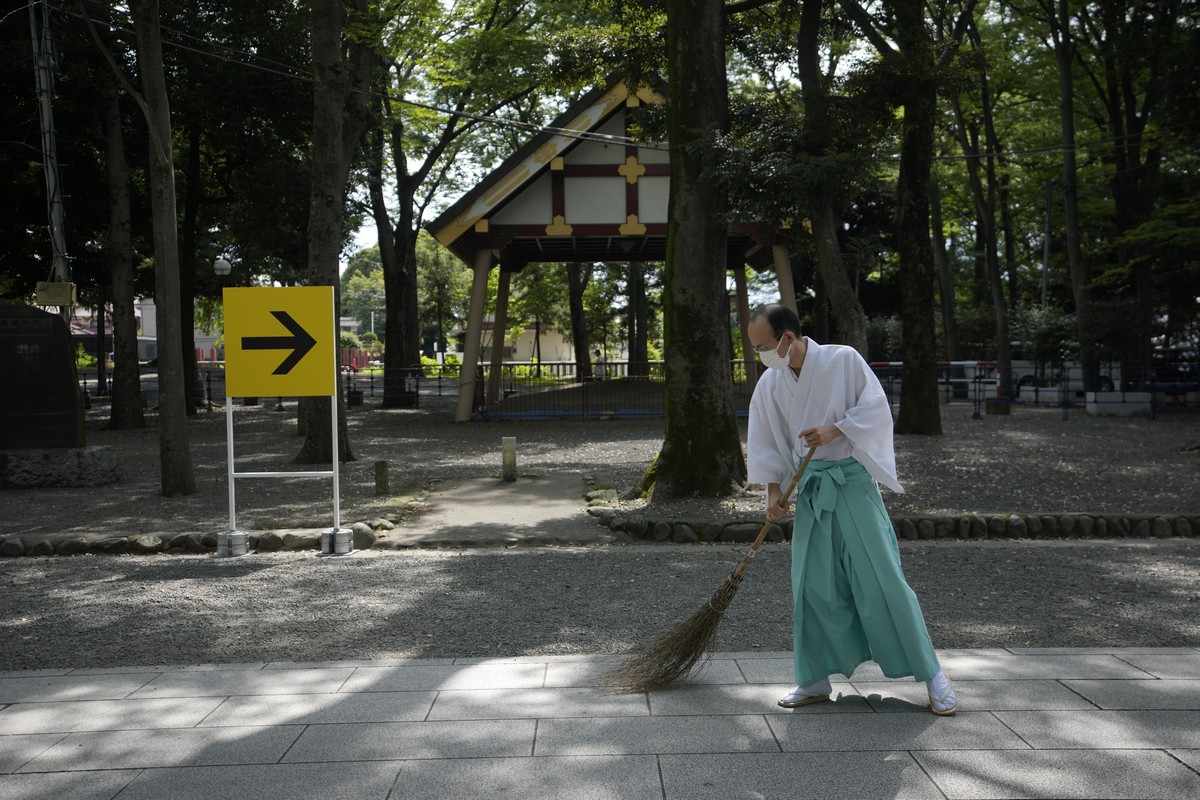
[835, 387]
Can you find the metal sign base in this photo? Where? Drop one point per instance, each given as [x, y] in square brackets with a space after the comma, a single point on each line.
[337, 542]
[233, 544]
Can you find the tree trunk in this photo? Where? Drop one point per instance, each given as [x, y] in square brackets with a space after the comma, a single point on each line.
[399, 276]
[945, 274]
[177, 477]
[639, 317]
[701, 453]
[125, 410]
[1134, 84]
[340, 117]
[847, 310]
[919, 409]
[193, 191]
[391, 241]
[577, 280]
[1080, 270]
[984, 197]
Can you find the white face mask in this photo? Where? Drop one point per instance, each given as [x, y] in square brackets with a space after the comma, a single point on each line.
[775, 361]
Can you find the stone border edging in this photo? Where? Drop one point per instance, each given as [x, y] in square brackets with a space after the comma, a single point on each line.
[908, 528]
[374, 534]
[962, 527]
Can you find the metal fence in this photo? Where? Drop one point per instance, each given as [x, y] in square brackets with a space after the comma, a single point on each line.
[530, 390]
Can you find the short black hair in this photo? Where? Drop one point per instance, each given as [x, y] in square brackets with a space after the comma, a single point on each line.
[779, 317]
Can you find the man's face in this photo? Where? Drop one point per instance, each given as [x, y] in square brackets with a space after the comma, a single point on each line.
[763, 339]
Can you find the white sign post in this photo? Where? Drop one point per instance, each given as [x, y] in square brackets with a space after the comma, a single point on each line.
[281, 342]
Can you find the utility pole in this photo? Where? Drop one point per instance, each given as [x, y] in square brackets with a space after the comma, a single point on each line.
[61, 296]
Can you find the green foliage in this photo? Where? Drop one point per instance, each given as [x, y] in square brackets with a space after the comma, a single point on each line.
[348, 339]
[84, 360]
[444, 291]
[885, 341]
[1045, 335]
[363, 296]
[449, 368]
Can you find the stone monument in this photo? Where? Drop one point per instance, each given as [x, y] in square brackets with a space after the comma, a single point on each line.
[42, 440]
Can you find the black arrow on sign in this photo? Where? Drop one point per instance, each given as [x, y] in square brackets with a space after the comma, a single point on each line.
[300, 342]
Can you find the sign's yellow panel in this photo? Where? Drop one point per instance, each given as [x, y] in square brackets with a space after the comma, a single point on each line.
[280, 342]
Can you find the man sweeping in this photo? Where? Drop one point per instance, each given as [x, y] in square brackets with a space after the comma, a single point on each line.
[852, 602]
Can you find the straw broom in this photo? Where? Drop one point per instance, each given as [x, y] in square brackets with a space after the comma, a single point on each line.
[675, 653]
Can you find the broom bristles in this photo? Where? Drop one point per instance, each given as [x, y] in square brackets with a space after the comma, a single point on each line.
[677, 652]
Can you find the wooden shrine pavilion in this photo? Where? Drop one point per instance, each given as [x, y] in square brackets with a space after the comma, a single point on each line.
[580, 191]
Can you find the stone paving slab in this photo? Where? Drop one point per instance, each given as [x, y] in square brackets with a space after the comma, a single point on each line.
[100, 785]
[1189, 757]
[650, 735]
[1167, 694]
[447, 677]
[1104, 666]
[1114, 651]
[751, 699]
[133, 670]
[19, 749]
[536, 704]
[69, 687]
[219, 683]
[1056, 774]
[809, 733]
[1105, 730]
[175, 747]
[588, 673]
[1168, 667]
[796, 776]
[1031, 695]
[394, 741]
[1049, 724]
[360, 781]
[321, 709]
[577, 778]
[106, 715]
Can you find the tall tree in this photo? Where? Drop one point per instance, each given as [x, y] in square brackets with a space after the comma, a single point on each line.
[701, 453]
[342, 68]
[851, 321]
[984, 192]
[578, 275]
[1129, 46]
[445, 71]
[1056, 14]
[918, 59]
[177, 476]
[125, 410]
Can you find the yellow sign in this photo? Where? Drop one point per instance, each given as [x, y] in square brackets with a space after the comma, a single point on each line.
[280, 342]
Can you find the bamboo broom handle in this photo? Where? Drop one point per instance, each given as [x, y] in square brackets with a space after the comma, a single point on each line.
[762, 534]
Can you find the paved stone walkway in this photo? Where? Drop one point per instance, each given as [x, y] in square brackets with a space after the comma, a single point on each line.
[1057, 723]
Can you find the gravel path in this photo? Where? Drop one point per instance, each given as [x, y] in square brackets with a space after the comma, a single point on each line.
[109, 611]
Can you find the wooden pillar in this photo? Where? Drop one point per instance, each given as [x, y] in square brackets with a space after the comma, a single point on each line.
[466, 379]
[783, 272]
[499, 326]
[743, 316]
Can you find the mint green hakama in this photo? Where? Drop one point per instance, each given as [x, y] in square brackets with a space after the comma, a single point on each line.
[852, 602]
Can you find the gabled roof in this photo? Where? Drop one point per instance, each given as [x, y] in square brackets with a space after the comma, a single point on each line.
[580, 190]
